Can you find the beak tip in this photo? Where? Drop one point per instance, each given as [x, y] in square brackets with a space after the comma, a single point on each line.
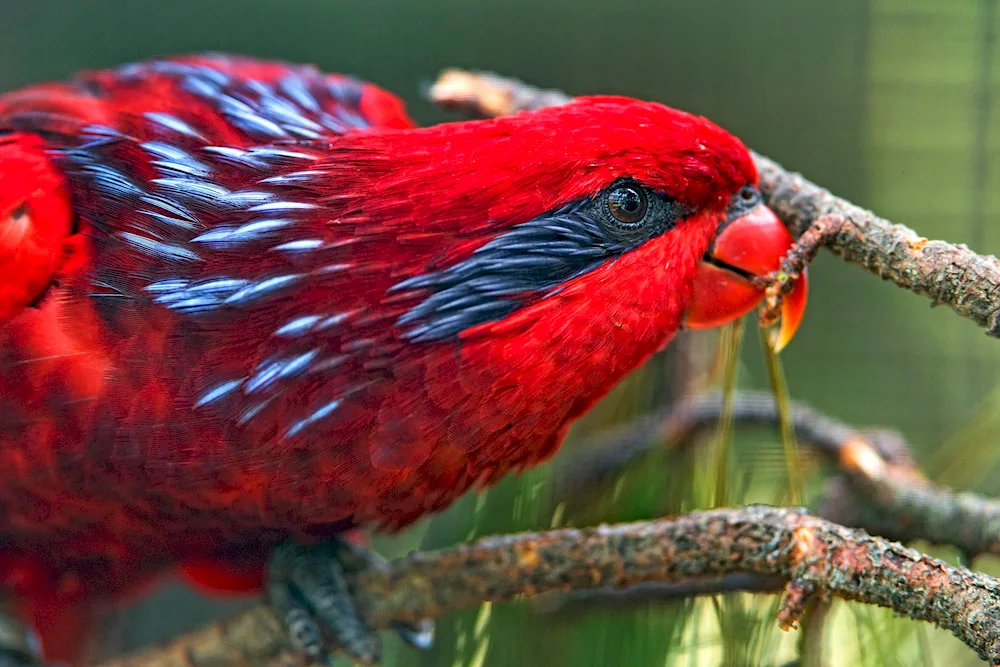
[793, 307]
[780, 339]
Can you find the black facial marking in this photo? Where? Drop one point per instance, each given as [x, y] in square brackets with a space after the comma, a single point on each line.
[531, 261]
[745, 200]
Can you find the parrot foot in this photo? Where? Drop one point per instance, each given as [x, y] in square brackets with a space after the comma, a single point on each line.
[308, 590]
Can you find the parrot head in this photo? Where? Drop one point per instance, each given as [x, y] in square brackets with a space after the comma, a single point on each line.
[606, 194]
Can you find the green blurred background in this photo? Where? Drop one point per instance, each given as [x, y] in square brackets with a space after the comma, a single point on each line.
[890, 103]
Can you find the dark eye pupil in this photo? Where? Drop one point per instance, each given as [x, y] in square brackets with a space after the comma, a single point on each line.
[627, 204]
[629, 201]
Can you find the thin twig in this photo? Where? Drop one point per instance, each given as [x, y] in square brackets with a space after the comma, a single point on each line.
[948, 273]
[816, 557]
[780, 282]
[605, 454]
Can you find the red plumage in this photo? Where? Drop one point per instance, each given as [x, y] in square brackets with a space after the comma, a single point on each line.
[223, 358]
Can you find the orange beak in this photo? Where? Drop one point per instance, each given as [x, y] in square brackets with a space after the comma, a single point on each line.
[752, 244]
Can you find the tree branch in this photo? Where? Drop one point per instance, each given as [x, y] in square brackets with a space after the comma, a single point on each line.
[605, 454]
[815, 557]
[948, 273]
[888, 494]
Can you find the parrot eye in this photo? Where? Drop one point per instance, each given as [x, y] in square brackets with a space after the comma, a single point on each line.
[627, 204]
[632, 213]
[744, 201]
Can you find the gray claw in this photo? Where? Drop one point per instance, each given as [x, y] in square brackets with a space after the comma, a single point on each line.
[309, 593]
[308, 590]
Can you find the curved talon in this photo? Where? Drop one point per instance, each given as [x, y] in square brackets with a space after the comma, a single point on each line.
[354, 557]
[418, 635]
[308, 589]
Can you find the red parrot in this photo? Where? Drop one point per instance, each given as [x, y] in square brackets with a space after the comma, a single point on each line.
[246, 306]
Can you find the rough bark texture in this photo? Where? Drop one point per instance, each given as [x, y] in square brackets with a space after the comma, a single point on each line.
[948, 273]
[816, 557]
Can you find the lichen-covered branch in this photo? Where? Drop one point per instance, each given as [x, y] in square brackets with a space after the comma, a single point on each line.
[815, 557]
[948, 273]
